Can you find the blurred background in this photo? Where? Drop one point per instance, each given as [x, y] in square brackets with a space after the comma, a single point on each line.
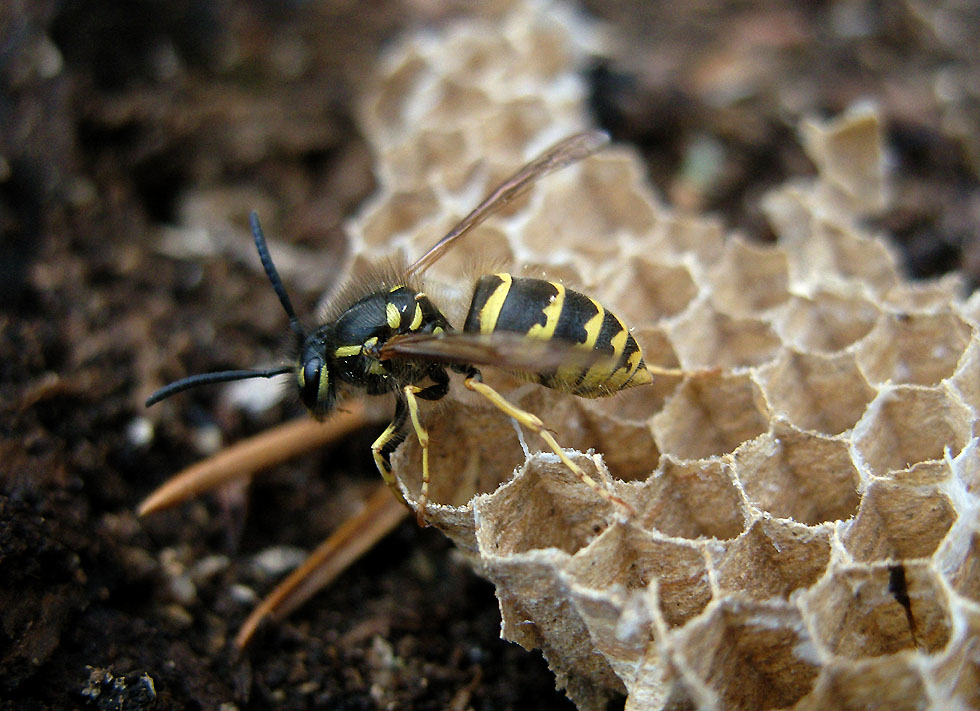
[132, 135]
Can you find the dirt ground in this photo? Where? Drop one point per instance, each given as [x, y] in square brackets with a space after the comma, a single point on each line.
[120, 122]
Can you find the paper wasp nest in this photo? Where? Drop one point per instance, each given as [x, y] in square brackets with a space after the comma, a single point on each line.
[822, 446]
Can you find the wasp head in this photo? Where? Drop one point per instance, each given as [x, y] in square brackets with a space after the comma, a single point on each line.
[316, 388]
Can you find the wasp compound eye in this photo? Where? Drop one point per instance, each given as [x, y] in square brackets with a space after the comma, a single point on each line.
[310, 386]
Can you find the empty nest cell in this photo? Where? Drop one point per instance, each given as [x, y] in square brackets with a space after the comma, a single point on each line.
[893, 682]
[627, 555]
[651, 291]
[710, 414]
[826, 322]
[772, 559]
[749, 279]
[799, 475]
[823, 393]
[690, 499]
[909, 424]
[750, 655]
[855, 613]
[545, 506]
[921, 349]
[706, 338]
[897, 520]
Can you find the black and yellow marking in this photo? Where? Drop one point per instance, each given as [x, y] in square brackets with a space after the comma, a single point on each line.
[356, 349]
[387, 442]
[548, 310]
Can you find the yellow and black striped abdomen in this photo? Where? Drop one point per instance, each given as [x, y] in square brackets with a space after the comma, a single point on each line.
[547, 310]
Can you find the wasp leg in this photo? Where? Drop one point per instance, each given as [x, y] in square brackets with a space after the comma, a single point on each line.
[532, 422]
[435, 391]
[423, 437]
[387, 443]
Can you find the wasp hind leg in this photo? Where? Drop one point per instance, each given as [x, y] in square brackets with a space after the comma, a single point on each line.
[436, 391]
[475, 383]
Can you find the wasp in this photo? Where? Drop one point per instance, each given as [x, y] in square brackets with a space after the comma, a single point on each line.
[394, 339]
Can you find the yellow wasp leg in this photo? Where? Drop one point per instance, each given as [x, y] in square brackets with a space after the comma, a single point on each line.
[387, 443]
[423, 437]
[533, 423]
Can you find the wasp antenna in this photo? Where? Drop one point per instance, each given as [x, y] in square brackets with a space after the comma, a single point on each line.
[270, 271]
[223, 376]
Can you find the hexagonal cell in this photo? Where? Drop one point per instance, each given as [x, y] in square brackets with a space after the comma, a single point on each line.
[959, 560]
[799, 475]
[474, 57]
[682, 234]
[855, 614]
[510, 128]
[690, 500]
[898, 521]
[452, 101]
[966, 379]
[891, 683]
[914, 348]
[932, 295]
[749, 278]
[394, 90]
[617, 179]
[623, 437]
[569, 217]
[631, 557]
[772, 559]
[545, 506]
[548, 49]
[957, 677]
[833, 249]
[753, 655]
[710, 414]
[472, 450]
[650, 291]
[848, 152]
[858, 256]
[705, 338]
[400, 213]
[434, 155]
[824, 393]
[826, 322]
[910, 424]
[618, 428]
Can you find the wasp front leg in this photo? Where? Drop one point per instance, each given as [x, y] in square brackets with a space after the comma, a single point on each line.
[387, 443]
[436, 391]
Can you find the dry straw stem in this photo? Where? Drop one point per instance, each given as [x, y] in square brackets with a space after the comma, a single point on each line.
[254, 454]
[381, 513]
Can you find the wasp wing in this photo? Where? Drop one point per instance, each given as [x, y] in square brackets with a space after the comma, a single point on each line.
[501, 349]
[562, 154]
